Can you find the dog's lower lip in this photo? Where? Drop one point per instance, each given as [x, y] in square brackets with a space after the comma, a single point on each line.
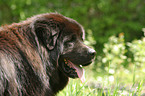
[69, 70]
[87, 63]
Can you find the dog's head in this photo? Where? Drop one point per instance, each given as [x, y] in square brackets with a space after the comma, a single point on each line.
[67, 35]
[75, 53]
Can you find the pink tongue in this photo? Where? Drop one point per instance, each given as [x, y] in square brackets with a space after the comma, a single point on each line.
[80, 71]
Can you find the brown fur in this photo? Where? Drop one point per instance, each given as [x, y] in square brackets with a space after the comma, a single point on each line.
[32, 52]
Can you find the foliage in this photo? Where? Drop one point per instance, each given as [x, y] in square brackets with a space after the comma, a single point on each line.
[103, 17]
[114, 53]
[137, 47]
[121, 57]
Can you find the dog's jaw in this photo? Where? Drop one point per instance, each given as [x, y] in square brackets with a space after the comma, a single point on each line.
[80, 71]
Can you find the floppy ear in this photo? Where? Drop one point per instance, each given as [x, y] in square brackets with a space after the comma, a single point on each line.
[47, 31]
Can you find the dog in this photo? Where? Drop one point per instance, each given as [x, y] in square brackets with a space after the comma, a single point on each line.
[40, 54]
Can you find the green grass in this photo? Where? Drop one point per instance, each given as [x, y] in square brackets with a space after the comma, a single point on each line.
[76, 88]
[123, 84]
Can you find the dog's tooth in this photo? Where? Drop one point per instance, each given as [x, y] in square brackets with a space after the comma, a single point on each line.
[65, 60]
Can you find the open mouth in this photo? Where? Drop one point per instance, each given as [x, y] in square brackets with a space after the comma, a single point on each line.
[72, 70]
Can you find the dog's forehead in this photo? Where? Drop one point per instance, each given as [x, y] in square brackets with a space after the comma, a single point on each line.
[73, 27]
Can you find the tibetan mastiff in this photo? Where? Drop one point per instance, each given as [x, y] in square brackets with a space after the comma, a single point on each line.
[38, 55]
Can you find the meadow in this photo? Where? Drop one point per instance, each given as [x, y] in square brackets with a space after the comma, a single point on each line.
[123, 84]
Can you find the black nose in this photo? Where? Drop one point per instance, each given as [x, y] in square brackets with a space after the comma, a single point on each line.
[92, 52]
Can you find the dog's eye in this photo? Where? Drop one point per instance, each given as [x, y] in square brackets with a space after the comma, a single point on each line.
[69, 44]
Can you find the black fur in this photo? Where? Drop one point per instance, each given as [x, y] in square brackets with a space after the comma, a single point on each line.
[32, 53]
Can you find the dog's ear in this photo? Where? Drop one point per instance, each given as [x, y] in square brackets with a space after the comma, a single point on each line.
[47, 31]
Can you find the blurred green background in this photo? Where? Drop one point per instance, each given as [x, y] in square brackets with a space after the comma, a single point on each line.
[114, 28]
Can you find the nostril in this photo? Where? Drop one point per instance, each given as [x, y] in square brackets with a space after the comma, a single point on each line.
[92, 52]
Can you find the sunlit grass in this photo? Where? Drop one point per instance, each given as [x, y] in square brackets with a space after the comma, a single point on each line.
[106, 85]
[76, 88]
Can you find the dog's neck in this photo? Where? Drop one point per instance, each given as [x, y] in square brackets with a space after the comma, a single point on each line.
[58, 80]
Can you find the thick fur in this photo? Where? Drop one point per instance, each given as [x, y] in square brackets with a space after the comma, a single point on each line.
[30, 53]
